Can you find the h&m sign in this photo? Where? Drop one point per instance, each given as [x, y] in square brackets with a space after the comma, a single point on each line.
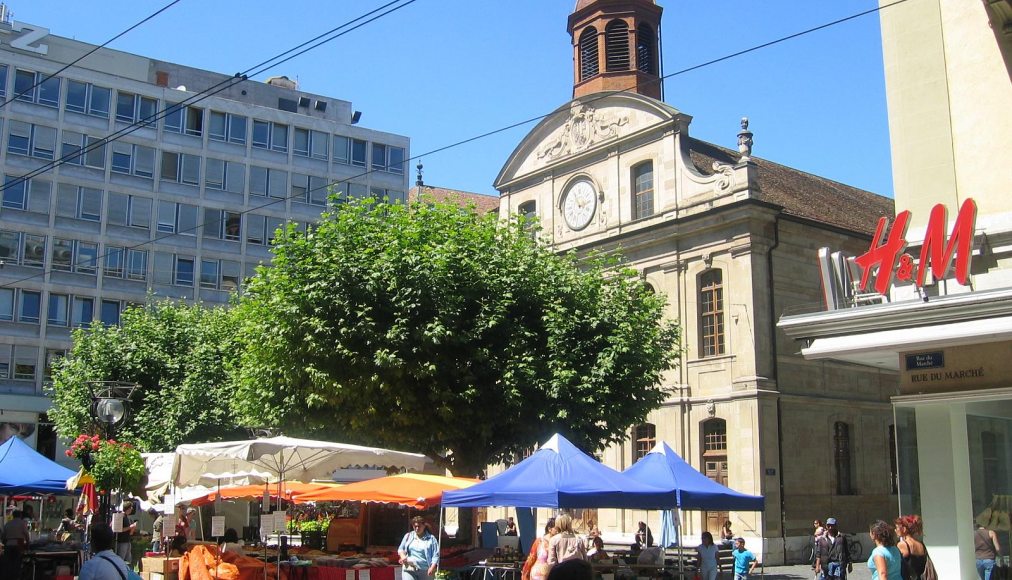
[886, 258]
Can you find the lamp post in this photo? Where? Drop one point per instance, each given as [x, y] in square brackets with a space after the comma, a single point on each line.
[110, 402]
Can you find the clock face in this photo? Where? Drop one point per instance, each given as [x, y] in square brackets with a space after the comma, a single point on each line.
[579, 204]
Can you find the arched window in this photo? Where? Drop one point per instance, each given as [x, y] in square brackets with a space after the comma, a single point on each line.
[714, 437]
[588, 53]
[841, 455]
[617, 45]
[711, 313]
[529, 211]
[644, 439]
[643, 190]
[646, 49]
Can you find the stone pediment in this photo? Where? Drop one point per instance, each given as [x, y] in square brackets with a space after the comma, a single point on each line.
[581, 126]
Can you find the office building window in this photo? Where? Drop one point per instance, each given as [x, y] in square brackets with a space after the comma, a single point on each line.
[74, 201]
[115, 257]
[25, 362]
[230, 273]
[131, 108]
[129, 210]
[183, 119]
[222, 224]
[53, 357]
[82, 311]
[358, 148]
[74, 256]
[110, 312]
[80, 149]
[227, 127]
[224, 175]
[32, 195]
[261, 229]
[643, 190]
[29, 304]
[183, 271]
[38, 141]
[58, 310]
[33, 250]
[310, 188]
[387, 158]
[264, 182]
[34, 87]
[133, 159]
[309, 143]
[209, 274]
[177, 218]
[269, 135]
[711, 313]
[88, 99]
[180, 167]
[342, 149]
[137, 264]
[7, 304]
[3, 80]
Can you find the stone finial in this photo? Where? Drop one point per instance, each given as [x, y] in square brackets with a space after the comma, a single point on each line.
[745, 141]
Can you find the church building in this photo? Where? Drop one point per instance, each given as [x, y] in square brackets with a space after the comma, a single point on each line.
[730, 239]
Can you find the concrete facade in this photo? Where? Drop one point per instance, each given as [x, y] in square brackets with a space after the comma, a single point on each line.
[183, 206]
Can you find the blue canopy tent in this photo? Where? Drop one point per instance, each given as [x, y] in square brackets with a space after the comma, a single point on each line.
[24, 470]
[664, 468]
[558, 475]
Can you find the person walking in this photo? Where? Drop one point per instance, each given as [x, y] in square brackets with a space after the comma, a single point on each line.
[832, 556]
[565, 545]
[912, 549]
[986, 549]
[536, 567]
[419, 551]
[104, 564]
[744, 560]
[885, 562]
[818, 531]
[124, 539]
[706, 553]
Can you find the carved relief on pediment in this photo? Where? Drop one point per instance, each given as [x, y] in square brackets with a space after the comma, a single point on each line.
[585, 127]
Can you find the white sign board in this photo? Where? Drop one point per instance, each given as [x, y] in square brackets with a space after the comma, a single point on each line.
[217, 526]
[117, 522]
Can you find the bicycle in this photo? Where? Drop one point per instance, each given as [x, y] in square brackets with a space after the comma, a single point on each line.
[854, 548]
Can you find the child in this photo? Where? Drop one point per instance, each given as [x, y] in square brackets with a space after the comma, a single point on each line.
[744, 561]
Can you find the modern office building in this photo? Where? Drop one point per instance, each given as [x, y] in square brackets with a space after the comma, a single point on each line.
[183, 202]
[945, 332]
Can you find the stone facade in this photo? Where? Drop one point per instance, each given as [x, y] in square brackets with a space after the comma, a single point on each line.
[710, 226]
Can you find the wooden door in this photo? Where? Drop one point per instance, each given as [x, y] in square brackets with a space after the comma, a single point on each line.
[715, 467]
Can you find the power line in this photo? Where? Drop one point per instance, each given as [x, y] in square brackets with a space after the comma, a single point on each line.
[367, 172]
[89, 53]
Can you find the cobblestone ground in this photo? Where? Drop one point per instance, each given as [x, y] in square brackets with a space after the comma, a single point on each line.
[803, 572]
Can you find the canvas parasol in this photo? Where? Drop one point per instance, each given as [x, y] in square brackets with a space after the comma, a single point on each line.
[414, 490]
[279, 458]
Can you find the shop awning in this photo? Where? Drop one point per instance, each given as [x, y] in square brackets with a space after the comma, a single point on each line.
[414, 490]
[287, 490]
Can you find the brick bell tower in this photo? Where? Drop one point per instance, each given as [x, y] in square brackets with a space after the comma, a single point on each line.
[616, 46]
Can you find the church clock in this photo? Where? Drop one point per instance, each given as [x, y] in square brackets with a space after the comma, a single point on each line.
[579, 204]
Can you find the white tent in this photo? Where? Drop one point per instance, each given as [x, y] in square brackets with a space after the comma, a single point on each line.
[279, 458]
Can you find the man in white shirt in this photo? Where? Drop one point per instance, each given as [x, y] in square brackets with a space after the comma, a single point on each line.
[104, 564]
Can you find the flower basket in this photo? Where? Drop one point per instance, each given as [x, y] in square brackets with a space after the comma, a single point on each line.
[114, 465]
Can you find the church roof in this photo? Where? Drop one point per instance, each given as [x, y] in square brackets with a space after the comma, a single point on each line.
[483, 203]
[802, 194]
[581, 4]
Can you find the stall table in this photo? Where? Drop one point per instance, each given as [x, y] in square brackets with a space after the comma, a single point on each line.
[52, 559]
[496, 571]
[302, 572]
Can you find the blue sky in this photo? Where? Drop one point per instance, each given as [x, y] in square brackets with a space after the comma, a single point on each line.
[440, 71]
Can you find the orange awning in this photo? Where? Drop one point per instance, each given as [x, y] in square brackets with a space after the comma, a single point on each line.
[409, 489]
[289, 489]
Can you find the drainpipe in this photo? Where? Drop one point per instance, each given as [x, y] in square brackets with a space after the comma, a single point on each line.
[776, 379]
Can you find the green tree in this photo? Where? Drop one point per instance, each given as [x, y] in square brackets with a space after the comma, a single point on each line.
[178, 354]
[435, 329]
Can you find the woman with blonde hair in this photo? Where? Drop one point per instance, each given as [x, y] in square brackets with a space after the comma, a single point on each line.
[566, 545]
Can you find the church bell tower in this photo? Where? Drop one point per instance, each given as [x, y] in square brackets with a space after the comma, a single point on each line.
[616, 47]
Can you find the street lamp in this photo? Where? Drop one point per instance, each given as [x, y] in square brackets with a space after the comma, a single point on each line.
[109, 407]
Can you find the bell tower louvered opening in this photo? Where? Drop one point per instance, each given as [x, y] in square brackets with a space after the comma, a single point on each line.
[617, 45]
[589, 66]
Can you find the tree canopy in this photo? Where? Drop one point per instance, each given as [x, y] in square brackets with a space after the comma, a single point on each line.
[179, 355]
[434, 329]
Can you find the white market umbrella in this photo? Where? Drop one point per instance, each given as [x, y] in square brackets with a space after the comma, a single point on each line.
[279, 458]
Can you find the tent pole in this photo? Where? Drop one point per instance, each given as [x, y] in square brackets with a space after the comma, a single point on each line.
[678, 538]
[439, 533]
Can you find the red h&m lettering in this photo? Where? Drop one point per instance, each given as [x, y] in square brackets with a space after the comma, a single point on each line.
[882, 257]
[934, 239]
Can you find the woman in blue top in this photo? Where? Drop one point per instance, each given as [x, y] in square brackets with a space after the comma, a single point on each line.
[419, 551]
[885, 561]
